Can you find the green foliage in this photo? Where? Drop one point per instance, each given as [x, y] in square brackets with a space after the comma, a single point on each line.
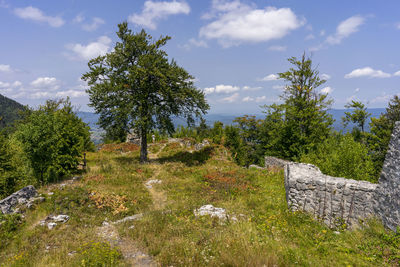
[9, 224]
[136, 86]
[342, 156]
[358, 115]
[381, 131]
[99, 254]
[302, 121]
[53, 139]
[216, 133]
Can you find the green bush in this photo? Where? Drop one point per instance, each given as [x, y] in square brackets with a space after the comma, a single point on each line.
[341, 156]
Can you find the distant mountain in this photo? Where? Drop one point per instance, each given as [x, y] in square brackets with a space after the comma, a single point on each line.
[226, 119]
[9, 111]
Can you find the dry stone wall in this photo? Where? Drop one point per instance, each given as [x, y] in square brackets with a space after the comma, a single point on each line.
[338, 200]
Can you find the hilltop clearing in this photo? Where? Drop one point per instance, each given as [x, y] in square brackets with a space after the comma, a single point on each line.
[122, 213]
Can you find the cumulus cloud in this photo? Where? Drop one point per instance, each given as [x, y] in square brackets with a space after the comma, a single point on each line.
[153, 12]
[96, 22]
[247, 99]
[236, 22]
[35, 14]
[221, 89]
[270, 77]
[257, 99]
[325, 76]
[367, 72]
[278, 87]
[46, 83]
[310, 37]
[248, 88]
[5, 68]
[195, 43]
[383, 98]
[91, 50]
[327, 90]
[397, 73]
[78, 19]
[345, 29]
[278, 48]
[231, 98]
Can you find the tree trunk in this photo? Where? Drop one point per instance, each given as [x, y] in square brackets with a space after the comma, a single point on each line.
[143, 145]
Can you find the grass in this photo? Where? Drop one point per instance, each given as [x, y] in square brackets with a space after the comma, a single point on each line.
[265, 232]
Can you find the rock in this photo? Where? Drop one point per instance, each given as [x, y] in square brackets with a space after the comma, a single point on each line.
[34, 200]
[51, 221]
[51, 225]
[212, 211]
[20, 197]
[273, 162]
[256, 167]
[129, 218]
[59, 218]
[149, 184]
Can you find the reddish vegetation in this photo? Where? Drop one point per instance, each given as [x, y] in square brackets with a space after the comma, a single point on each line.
[123, 147]
[227, 181]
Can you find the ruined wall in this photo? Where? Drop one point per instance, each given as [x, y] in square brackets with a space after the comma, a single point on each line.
[333, 200]
[337, 200]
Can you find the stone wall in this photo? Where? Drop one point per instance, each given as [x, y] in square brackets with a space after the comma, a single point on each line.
[337, 200]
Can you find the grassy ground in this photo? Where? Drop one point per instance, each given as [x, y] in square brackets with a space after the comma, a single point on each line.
[169, 234]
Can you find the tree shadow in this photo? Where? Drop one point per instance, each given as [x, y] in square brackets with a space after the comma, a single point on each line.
[189, 159]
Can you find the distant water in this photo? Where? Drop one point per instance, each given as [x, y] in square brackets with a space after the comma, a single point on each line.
[226, 119]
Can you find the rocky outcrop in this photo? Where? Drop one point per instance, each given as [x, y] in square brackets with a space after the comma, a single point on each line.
[272, 162]
[25, 196]
[337, 200]
[387, 200]
[51, 221]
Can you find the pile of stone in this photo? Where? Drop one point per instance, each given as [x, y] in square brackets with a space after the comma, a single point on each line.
[52, 220]
[212, 211]
[26, 197]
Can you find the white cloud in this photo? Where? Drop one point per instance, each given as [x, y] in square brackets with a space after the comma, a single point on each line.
[278, 48]
[367, 72]
[327, 90]
[248, 88]
[96, 22]
[231, 98]
[195, 43]
[153, 12]
[48, 83]
[345, 29]
[236, 23]
[278, 87]
[356, 90]
[384, 98]
[71, 93]
[78, 19]
[271, 77]
[221, 89]
[261, 98]
[5, 68]
[247, 99]
[35, 14]
[91, 50]
[325, 76]
[4, 85]
[397, 73]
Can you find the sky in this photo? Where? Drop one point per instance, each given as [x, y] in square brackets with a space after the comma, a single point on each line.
[234, 49]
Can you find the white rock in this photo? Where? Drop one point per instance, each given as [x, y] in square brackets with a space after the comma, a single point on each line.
[59, 218]
[212, 211]
[51, 225]
[129, 218]
[149, 184]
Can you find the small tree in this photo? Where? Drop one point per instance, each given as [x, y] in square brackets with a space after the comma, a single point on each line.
[358, 115]
[302, 121]
[136, 82]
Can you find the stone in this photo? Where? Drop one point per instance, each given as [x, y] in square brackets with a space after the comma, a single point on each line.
[253, 166]
[51, 225]
[273, 162]
[212, 211]
[129, 218]
[149, 183]
[51, 221]
[20, 197]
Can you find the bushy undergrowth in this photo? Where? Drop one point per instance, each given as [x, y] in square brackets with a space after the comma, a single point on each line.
[341, 156]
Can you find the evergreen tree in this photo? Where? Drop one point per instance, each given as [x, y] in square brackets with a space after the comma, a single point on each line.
[358, 115]
[139, 87]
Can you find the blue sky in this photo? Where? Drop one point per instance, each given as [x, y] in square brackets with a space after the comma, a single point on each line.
[234, 49]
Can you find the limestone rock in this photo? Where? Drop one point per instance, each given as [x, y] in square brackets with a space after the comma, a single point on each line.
[212, 211]
[21, 197]
[149, 183]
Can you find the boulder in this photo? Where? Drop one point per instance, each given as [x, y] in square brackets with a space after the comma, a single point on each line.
[21, 197]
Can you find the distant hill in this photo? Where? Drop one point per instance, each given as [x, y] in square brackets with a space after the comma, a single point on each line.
[226, 119]
[9, 111]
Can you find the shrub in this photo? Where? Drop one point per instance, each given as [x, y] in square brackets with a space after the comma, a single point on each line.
[99, 254]
[341, 156]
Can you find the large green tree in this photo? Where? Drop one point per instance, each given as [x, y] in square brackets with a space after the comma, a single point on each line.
[136, 86]
[302, 121]
[359, 115]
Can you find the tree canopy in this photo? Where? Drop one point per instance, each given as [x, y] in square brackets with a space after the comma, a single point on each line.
[136, 86]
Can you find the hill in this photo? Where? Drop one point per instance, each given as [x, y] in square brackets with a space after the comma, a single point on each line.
[9, 111]
[121, 213]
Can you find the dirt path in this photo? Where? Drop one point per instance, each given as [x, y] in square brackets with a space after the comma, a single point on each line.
[159, 197]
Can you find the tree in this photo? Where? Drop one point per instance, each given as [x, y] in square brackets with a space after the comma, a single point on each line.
[302, 121]
[137, 82]
[358, 115]
[53, 139]
[381, 131]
